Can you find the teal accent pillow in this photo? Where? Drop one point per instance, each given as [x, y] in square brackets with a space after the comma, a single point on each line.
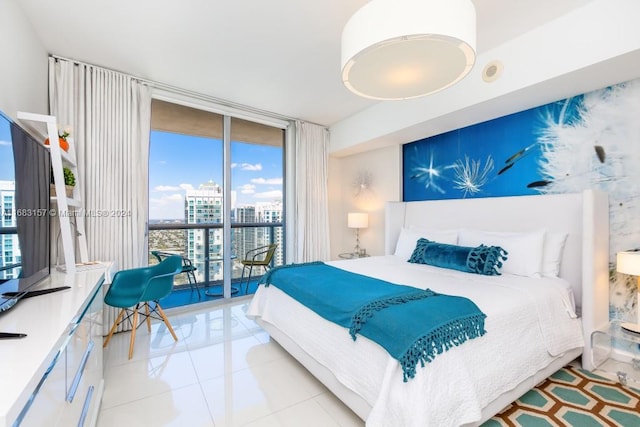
[483, 259]
[418, 253]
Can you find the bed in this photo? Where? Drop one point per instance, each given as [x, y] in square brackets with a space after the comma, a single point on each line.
[535, 325]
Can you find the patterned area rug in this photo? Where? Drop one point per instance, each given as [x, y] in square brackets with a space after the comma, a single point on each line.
[573, 397]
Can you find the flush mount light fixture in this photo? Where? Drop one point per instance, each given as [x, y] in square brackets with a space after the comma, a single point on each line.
[400, 49]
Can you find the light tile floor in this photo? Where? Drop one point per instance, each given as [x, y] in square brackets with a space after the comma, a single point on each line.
[223, 371]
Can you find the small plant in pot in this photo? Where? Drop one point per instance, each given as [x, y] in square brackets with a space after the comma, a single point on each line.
[69, 182]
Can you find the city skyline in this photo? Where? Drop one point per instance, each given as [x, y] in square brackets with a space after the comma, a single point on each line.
[178, 163]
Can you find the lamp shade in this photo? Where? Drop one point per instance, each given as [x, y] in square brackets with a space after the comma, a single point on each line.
[399, 49]
[628, 262]
[357, 220]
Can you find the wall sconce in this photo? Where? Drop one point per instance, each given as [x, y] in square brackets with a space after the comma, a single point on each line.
[628, 262]
[357, 220]
[362, 183]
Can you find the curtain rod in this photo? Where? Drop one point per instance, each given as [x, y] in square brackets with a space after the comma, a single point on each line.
[181, 91]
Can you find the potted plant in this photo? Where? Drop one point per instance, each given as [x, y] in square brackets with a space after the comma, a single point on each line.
[69, 182]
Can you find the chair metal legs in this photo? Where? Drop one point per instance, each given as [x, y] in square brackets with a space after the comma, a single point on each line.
[132, 315]
[246, 289]
[191, 278]
[248, 277]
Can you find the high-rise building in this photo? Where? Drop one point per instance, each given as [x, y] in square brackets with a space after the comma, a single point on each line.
[9, 247]
[205, 205]
[272, 212]
[247, 238]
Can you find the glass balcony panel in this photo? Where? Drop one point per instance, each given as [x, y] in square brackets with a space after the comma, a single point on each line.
[244, 237]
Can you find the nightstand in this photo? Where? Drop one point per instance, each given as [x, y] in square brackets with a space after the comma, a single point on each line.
[352, 255]
[617, 353]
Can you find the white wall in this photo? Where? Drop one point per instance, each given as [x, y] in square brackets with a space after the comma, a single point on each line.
[23, 73]
[383, 166]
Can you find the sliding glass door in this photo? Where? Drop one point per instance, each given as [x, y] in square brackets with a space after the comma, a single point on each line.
[215, 191]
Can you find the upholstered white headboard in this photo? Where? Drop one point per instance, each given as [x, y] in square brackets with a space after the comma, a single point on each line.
[585, 216]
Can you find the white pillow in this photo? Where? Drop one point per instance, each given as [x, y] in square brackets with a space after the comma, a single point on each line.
[409, 238]
[524, 249]
[552, 253]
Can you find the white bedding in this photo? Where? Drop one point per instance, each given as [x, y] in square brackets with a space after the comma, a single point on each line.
[529, 322]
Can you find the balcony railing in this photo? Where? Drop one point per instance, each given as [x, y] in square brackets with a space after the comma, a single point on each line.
[192, 241]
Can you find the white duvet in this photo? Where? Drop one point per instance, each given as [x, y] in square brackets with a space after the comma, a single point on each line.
[529, 322]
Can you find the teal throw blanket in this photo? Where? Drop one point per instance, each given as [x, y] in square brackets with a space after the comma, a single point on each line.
[413, 325]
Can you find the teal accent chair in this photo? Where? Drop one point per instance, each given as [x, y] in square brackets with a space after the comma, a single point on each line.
[140, 289]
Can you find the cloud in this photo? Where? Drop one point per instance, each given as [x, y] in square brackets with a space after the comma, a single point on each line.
[251, 167]
[166, 188]
[166, 199]
[177, 197]
[274, 194]
[233, 165]
[162, 162]
[247, 189]
[2, 142]
[269, 181]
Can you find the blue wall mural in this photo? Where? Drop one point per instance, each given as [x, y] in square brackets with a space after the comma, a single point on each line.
[500, 157]
[588, 141]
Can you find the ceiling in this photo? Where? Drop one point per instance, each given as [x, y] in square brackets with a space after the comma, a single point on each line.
[279, 56]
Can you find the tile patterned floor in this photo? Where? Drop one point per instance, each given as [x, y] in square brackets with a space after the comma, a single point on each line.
[224, 371]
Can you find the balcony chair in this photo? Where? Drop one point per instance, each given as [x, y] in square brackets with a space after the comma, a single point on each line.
[134, 289]
[258, 257]
[187, 268]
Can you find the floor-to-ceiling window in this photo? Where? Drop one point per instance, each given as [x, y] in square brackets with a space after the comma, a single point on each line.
[215, 193]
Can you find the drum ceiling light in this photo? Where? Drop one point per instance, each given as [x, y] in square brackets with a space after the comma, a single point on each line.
[400, 49]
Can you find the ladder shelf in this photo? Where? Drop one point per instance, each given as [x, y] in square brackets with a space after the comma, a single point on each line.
[67, 207]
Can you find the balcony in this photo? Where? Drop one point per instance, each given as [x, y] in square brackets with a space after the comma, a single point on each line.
[192, 240]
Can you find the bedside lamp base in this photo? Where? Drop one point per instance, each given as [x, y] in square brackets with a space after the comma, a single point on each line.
[631, 327]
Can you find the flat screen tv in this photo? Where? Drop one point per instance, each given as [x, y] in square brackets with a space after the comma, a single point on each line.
[25, 175]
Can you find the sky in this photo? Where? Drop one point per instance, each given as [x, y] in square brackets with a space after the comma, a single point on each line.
[6, 152]
[181, 162]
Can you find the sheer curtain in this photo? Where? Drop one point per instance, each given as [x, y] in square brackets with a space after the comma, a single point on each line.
[311, 216]
[110, 116]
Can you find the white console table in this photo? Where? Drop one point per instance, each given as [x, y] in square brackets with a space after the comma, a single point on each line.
[54, 376]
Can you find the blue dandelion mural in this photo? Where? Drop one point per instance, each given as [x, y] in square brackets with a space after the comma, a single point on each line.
[496, 158]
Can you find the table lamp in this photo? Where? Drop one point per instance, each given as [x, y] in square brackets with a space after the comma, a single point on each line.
[628, 262]
[357, 220]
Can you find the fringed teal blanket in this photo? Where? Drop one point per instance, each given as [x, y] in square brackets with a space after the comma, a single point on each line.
[413, 325]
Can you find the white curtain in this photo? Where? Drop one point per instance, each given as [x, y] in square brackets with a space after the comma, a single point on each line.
[110, 116]
[311, 213]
